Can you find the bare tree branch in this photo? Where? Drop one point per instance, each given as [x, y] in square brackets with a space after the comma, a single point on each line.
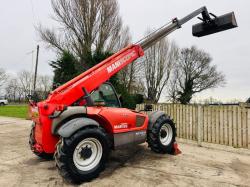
[87, 27]
[25, 78]
[193, 74]
[3, 77]
[157, 67]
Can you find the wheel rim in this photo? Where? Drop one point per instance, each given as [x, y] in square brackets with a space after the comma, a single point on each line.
[87, 154]
[166, 134]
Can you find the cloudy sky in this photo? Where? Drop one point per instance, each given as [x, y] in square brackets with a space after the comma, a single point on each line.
[230, 50]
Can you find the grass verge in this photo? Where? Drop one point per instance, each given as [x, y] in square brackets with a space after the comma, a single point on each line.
[17, 111]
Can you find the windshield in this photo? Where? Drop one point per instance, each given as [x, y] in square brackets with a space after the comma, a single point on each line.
[106, 94]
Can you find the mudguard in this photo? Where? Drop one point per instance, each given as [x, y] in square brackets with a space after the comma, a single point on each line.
[74, 125]
[67, 114]
[153, 117]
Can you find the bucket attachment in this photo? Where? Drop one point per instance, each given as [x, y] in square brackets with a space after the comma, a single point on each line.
[216, 24]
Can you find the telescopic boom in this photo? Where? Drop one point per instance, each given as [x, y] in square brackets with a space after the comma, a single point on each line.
[86, 82]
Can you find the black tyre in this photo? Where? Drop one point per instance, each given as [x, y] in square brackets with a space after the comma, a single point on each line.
[82, 156]
[32, 142]
[1, 104]
[162, 135]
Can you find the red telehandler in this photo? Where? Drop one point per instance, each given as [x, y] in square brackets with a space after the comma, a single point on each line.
[82, 120]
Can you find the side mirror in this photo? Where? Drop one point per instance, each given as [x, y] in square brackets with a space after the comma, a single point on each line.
[148, 107]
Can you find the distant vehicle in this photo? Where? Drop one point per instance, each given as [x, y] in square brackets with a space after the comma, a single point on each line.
[3, 102]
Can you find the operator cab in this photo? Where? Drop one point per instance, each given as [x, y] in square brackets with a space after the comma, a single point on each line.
[106, 95]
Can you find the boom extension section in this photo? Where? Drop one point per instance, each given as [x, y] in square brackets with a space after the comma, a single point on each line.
[206, 27]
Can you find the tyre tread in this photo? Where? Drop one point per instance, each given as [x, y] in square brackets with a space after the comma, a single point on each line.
[61, 157]
[152, 135]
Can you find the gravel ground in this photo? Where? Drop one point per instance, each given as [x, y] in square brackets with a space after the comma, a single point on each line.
[196, 166]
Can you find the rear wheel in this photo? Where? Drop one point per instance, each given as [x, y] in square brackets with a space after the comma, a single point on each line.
[82, 156]
[162, 135]
[32, 142]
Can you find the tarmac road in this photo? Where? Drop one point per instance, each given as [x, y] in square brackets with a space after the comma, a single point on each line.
[196, 166]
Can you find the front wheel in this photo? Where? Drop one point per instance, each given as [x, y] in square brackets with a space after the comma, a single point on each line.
[82, 156]
[162, 135]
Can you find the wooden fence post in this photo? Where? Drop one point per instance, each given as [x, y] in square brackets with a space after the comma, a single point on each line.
[200, 125]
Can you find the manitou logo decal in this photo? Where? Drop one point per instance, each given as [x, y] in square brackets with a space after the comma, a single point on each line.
[121, 126]
[120, 62]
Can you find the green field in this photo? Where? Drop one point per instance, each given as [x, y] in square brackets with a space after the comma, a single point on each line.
[17, 111]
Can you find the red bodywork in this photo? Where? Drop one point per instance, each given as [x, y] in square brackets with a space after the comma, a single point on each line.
[114, 120]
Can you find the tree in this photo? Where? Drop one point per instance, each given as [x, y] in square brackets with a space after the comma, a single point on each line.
[19, 86]
[64, 69]
[26, 79]
[3, 77]
[88, 28]
[91, 31]
[193, 73]
[127, 76]
[12, 89]
[45, 85]
[172, 88]
[157, 66]
[248, 100]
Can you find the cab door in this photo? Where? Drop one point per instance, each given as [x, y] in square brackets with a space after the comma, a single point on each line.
[121, 119]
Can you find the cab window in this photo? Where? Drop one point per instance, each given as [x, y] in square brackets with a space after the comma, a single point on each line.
[106, 94]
